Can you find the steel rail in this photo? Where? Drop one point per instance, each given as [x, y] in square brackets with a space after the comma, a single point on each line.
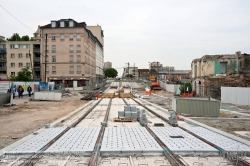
[34, 158]
[166, 151]
[96, 152]
[240, 161]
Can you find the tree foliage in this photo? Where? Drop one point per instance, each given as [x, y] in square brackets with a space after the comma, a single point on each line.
[153, 71]
[24, 75]
[16, 37]
[111, 72]
[185, 88]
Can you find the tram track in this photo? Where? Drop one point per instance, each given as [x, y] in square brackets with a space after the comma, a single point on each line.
[34, 158]
[230, 157]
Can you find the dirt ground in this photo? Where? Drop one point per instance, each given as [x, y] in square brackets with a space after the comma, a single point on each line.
[28, 116]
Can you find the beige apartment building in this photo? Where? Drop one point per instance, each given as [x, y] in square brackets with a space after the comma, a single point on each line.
[107, 65]
[21, 54]
[71, 53]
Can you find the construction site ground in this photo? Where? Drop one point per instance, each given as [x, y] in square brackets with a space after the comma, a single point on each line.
[28, 116]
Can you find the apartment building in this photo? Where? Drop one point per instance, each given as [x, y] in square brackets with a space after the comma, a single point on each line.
[107, 65]
[21, 54]
[130, 71]
[72, 52]
[3, 61]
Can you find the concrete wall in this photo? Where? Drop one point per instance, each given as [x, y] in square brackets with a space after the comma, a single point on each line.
[170, 87]
[47, 96]
[235, 95]
[4, 98]
[196, 106]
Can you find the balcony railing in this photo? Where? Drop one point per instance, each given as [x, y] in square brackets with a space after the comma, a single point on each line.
[71, 72]
[2, 50]
[36, 68]
[36, 59]
[2, 59]
[36, 50]
[3, 68]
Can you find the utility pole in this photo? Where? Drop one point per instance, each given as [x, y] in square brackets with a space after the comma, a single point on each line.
[31, 67]
[45, 64]
[134, 69]
[128, 68]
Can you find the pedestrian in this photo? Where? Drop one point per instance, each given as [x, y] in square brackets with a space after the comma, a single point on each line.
[19, 91]
[14, 92]
[22, 90]
[29, 89]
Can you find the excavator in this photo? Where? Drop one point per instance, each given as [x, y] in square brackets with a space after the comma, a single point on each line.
[154, 85]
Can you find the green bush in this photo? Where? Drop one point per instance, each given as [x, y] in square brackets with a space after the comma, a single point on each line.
[186, 87]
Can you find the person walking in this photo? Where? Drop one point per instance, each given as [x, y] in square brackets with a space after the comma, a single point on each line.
[22, 90]
[29, 89]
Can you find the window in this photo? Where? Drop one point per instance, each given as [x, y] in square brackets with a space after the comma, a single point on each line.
[53, 48]
[27, 64]
[47, 69]
[78, 69]
[53, 58]
[71, 36]
[78, 48]
[62, 24]
[78, 58]
[47, 48]
[12, 64]
[78, 37]
[62, 37]
[53, 24]
[53, 69]
[20, 64]
[47, 58]
[71, 23]
[27, 55]
[71, 69]
[12, 73]
[53, 37]
[71, 58]
[12, 55]
[20, 55]
[71, 48]
[223, 67]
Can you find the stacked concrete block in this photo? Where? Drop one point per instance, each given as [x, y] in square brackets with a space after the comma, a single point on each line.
[143, 119]
[121, 114]
[172, 118]
[129, 112]
[138, 113]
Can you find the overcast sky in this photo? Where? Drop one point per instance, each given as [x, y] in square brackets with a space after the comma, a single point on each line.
[172, 32]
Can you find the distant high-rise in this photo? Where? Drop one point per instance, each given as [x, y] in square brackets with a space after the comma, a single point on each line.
[107, 65]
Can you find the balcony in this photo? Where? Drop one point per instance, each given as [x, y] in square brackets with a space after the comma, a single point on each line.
[2, 59]
[36, 50]
[3, 68]
[71, 72]
[36, 59]
[2, 50]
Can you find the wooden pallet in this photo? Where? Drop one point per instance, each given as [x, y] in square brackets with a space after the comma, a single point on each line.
[125, 120]
[108, 95]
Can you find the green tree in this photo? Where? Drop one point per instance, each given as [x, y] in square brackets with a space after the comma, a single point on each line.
[24, 75]
[186, 87]
[25, 38]
[14, 37]
[111, 72]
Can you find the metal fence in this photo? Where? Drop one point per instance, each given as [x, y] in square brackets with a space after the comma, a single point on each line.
[235, 95]
[196, 106]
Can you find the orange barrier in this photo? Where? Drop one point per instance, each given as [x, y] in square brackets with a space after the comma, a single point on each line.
[186, 95]
[147, 92]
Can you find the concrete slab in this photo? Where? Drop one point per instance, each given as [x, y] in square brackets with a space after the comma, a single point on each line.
[224, 142]
[206, 161]
[128, 139]
[178, 140]
[34, 144]
[76, 140]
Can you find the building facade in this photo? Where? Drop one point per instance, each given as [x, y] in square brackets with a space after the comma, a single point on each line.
[107, 65]
[72, 52]
[210, 72]
[21, 54]
[130, 71]
[3, 60]
[143, 74]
